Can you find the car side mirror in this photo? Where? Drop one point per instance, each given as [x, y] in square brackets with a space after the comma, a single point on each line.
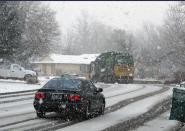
[100, 90]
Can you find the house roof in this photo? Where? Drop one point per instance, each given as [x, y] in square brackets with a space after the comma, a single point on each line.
[69, 59]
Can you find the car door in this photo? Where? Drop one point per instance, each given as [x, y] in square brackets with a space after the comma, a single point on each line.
[89, 94]
[97, 96]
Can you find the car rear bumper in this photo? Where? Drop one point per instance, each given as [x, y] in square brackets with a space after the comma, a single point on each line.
[59, 107]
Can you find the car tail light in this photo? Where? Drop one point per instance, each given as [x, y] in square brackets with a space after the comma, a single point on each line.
[74, 98]
[39, 95]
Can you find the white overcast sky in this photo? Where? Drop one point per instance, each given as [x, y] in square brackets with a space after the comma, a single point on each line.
[119, 14]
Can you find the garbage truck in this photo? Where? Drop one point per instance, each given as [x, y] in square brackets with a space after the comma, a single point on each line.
[111, 67]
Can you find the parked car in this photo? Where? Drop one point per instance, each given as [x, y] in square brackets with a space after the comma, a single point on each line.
[70, 96]
[15, 71]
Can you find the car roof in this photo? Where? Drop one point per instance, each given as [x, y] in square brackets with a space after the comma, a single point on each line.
[69, 78]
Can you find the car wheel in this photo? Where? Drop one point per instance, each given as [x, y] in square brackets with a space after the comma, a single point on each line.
[102, 109]
[27, 77]
[86, 113]
[41, 114]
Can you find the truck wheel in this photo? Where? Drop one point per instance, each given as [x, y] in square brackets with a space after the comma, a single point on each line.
[27, 77]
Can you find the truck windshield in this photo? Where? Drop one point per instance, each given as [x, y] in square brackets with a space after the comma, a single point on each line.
[124, 60]
[16, 67]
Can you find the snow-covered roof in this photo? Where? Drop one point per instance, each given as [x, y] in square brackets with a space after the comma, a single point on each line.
[69, 59]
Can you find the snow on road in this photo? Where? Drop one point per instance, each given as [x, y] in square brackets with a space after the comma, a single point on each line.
[161, 123]
[114, 93]
[116, 89]
[131, 93]
[123, 114]
[14, 108]
[15, 98]
[27, 105]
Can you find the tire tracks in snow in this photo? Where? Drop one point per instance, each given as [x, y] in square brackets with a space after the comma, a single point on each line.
[16, 100]
[60, 124]
[125, 92]
[9, 98]
[123, 103]
[19, 94]
[110, 109]
[20, 115]
[141, 119]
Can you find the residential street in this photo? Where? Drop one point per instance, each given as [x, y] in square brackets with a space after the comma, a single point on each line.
[128, 107]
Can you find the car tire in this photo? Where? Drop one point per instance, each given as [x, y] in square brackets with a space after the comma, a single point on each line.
[27, 77]
[86, 113]
[41, 114]
[102, 109]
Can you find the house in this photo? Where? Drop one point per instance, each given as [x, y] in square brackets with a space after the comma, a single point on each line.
[56, 64]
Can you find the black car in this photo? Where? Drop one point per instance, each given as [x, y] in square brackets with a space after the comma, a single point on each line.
[69, 96]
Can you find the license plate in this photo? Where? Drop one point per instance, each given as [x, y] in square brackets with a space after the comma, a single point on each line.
[56, 96]
[62, 106]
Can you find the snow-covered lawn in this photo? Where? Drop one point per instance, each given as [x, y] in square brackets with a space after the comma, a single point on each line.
[161, 123]
[132, 110]
[9, 85]
[11, 81]
[14, 87]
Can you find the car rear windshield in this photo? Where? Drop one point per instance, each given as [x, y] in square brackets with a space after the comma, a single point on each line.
[63, 84]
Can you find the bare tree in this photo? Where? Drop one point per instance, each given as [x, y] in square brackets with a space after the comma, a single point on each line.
[91, 36]
[40, 33]
[174, 32]
[27, 29]
[82, 33]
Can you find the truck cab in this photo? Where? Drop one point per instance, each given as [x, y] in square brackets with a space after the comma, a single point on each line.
[16, 71]
[19, 72]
